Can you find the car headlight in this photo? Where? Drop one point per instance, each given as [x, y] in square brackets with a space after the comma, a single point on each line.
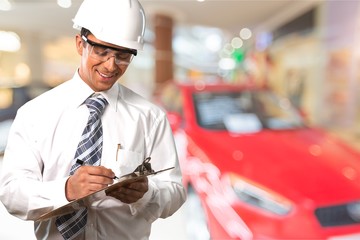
[259, 197]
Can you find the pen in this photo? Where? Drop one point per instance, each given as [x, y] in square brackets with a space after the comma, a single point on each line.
[117, 150]
[78, 161]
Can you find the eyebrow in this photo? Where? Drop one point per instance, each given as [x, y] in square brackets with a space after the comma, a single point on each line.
[123, 50]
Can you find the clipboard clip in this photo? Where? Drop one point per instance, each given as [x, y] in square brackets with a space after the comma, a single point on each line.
[144, 168]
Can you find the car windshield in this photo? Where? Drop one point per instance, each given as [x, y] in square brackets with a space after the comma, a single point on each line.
[244, 111]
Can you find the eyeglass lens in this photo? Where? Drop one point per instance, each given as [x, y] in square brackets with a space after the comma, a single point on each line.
[103, 54]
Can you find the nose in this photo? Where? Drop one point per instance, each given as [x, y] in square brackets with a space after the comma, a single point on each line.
[110, 63]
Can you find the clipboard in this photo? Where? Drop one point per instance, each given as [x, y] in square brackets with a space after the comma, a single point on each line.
[126, 179]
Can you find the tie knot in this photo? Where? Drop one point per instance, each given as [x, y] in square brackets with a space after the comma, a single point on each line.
[96, 103]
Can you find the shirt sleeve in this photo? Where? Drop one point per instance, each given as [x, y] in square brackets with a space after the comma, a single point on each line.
[22, 189]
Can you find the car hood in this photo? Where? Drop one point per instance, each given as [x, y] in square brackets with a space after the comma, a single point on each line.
[304, 164]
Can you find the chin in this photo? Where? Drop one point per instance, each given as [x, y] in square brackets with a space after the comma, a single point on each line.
[104, 85]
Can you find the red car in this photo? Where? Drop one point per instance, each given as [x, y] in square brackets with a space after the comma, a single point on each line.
[254, 170]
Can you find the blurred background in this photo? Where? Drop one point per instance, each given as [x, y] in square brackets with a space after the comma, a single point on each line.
[306, 51]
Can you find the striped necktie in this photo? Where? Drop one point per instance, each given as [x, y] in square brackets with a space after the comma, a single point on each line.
[89, 153]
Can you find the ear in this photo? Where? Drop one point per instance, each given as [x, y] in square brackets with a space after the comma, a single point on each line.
[79, 44]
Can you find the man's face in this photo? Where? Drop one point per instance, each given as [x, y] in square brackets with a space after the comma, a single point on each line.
[99, 75]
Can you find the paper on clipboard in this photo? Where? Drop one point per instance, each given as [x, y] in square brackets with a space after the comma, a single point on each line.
[81, 202]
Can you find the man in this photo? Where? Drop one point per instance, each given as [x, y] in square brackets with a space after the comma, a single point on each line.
[76, 138]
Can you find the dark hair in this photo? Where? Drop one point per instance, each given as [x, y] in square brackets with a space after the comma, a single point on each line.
[85, 32]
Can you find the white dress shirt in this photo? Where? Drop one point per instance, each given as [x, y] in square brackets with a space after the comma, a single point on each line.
[41, 149]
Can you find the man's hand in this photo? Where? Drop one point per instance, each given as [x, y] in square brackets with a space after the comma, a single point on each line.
[86, 180]
[132, 192]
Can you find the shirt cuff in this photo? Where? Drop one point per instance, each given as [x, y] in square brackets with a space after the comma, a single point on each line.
[138, 206]
[55, 190]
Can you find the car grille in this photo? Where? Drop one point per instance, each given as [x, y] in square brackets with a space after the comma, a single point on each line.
[338, 215]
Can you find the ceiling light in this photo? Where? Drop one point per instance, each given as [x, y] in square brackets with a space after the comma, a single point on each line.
[245, 33]
[9, 41]
[227, 64]
[236, 42]
[64, 3]
[228, 49]
[213, 42]
[5, 5]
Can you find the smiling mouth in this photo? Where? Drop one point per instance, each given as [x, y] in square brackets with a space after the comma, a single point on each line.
[106, 75]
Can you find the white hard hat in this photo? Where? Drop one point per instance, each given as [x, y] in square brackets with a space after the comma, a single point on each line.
[119, 22]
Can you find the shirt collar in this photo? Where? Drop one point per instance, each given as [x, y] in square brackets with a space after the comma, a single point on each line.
[83, 91]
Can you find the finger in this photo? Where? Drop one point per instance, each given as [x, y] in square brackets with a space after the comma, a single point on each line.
[139, 180]
[139, 187]
[127, 193]
[96, 179]
[100, 171]
[125, 198]
[132, 193]
[94, 187]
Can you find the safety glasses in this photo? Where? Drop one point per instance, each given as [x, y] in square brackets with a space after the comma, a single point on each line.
[103, 53]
